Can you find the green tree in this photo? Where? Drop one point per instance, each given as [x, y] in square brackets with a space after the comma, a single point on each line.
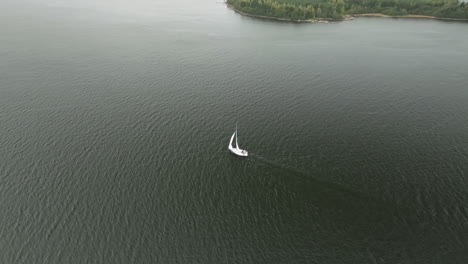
[319, 12]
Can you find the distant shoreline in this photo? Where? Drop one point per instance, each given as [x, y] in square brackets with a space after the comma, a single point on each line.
[408, 16]
[346, 18]
[321, 20]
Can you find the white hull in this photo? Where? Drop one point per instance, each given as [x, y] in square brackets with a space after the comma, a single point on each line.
[239, 152]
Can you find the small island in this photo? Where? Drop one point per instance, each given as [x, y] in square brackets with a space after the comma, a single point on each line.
[336, 10]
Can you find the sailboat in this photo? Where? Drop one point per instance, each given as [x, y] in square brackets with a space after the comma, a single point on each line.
[236, 150]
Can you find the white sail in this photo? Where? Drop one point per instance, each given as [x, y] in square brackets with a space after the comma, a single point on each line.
[235, 149]
[232, 139]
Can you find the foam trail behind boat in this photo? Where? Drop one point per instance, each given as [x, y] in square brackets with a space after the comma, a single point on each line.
[308, 176]
[277, 164]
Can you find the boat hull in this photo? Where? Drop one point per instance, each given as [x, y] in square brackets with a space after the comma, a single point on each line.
[239, 152]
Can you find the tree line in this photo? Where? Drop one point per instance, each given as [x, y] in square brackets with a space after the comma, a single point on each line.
[337, 9]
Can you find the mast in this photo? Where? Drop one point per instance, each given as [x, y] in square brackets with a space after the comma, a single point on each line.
[237, 145]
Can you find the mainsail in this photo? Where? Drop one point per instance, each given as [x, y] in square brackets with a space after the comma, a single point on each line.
[235, 149]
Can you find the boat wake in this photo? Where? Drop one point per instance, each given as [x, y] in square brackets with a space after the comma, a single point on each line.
[278, 165]
[306, 176]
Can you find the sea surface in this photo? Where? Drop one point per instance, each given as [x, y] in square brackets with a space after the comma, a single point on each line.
[115, 118]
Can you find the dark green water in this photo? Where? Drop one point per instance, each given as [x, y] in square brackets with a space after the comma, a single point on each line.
[115, 118]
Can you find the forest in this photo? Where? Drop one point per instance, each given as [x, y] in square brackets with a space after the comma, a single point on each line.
[337, 9]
